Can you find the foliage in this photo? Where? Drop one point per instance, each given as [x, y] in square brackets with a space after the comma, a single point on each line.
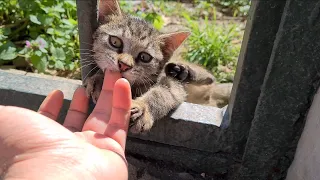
[236, 7]
[143, 10]
[44, 32]
[212, 46]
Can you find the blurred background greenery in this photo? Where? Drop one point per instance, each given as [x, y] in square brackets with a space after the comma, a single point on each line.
[42, 36]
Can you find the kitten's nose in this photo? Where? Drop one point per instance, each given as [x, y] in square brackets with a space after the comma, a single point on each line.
[123, 66]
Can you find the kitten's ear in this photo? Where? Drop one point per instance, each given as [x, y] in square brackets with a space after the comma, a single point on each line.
[108, 7]
[172, 41]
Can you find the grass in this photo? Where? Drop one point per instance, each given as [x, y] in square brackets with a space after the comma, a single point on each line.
[213, 46]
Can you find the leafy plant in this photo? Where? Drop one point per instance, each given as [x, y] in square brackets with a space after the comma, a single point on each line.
[43, 32]
[212, 46]
[236, 7]
[44, 35]
[144, 10]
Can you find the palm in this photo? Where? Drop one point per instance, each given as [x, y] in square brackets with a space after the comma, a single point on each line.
[94, 146]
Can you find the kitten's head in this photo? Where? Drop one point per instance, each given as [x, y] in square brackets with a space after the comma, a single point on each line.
[131, 45]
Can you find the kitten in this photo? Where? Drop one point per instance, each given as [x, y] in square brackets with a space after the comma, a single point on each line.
[141, 53]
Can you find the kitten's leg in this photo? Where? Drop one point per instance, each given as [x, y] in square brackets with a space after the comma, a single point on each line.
[188, 72]
[93, 86]
[155, 104]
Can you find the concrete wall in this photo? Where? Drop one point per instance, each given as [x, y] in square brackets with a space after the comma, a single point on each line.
[187, 140]
[306, 163]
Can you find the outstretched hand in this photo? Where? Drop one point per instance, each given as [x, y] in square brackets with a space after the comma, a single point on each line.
[34, 146]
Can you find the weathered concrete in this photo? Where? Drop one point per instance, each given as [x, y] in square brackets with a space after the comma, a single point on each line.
[145, 169]
[199, 161]
[261, 29]
[28, 90]
[186, 126]
[291, 80]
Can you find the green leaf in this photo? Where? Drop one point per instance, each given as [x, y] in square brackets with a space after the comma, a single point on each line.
[61, 41]
[50, 31]
[59, 33]
[40, 63]
[53, 50]
[35, 59]
[8, 51]
[34, 19]
[45, 20]
[66, 22]
[60, 54]
[38, 53]
[71, 66]
[72, 21]
[23, 51]
[70, 52]
[6, 31]
[43, 50]
[158, 23]
[155, 19]
[71, 3]
[59, 65]
[59, 8]
[33, 34]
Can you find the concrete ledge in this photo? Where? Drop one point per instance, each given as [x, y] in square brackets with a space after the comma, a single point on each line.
[184, 127]
[218, 164]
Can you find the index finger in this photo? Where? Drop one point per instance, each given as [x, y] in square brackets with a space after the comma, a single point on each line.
[98, 119]
[119, 121]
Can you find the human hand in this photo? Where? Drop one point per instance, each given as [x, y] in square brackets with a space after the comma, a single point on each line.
[34, 146]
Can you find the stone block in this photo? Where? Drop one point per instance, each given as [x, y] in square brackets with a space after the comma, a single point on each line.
[292, 79]
[260, 33]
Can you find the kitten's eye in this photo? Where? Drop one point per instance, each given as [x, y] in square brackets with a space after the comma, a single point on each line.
[144, 57]
[115, 42]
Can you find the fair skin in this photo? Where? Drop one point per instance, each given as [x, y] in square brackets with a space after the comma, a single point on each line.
[34, 146]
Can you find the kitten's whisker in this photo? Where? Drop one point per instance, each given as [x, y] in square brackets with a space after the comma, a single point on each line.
[150, 81]
[86, 65]
[140, 91]
[91, 58]
[89, 73]
[145, 79]
[143, 82]
[87, 61]
[97, 72]
[90, 50]
[87, 43]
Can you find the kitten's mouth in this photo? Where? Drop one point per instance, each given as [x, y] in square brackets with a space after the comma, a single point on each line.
[110, 70]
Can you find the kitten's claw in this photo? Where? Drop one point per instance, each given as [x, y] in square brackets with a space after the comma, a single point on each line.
[140, 119]
[135, 113]
[177, 71]
[93, 86]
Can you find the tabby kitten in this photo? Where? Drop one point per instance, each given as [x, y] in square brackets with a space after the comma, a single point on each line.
[141, 53]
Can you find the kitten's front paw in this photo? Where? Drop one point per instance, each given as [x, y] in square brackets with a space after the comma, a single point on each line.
[178, 71]
[140, 120]
[93, 86]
